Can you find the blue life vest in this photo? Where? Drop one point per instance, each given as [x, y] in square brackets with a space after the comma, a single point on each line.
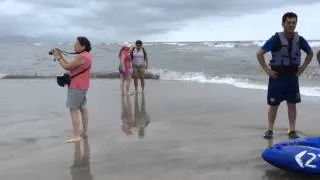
[287, 56]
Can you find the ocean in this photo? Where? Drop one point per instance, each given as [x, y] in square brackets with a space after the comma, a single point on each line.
[206, 115]
[232, 63]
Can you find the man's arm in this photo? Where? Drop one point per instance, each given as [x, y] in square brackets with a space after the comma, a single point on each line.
[261, 60]
[307, 49]
[146, 57]
[260, 56]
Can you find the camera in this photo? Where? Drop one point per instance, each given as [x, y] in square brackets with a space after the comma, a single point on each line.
[52, 51]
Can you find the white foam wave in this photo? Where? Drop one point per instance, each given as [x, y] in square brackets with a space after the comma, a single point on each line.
[175, 44]
[37, 44]
[247, 44]
[258, 43]
[2, 76]
[315, 44]
[237, 82]
[220, 45]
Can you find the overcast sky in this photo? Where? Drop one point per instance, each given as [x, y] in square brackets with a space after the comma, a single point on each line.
[156, 20]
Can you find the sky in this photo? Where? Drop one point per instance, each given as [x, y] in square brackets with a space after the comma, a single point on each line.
[156, 20]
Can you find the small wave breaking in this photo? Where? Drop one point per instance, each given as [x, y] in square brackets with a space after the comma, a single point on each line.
[107, 75]
[164, 74]
[234, 81]
[247, 44]
[231, 44]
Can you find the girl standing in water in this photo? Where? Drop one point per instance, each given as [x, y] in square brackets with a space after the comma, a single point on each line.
[125, 67]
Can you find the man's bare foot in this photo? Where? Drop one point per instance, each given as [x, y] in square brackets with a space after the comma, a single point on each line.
[74, 139]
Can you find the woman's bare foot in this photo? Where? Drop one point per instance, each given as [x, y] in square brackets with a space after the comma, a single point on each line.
[74, 139]
[129, 93]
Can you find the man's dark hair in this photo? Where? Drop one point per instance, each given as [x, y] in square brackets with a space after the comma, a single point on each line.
[84, 42]
[139, 42]
[289, 15]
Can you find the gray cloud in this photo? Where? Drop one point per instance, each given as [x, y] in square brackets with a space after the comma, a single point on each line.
[119, 20]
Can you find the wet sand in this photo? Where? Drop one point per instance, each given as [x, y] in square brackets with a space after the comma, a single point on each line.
[193, 131]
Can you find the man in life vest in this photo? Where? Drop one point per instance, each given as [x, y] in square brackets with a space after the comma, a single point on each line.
[285, 68]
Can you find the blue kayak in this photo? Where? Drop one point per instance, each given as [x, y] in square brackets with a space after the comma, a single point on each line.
[299, 155]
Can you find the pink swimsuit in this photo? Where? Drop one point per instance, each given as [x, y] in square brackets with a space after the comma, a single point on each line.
[127, 64]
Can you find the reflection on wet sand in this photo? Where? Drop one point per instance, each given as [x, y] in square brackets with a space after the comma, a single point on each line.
[80, 170]
[141, 117]
[278, 174]
[137, 121]
[126, 115]
[270, 143]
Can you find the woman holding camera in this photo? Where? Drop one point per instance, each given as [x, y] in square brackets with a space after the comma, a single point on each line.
[79, 85]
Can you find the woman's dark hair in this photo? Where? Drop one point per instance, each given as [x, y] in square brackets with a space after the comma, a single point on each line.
[84, 42]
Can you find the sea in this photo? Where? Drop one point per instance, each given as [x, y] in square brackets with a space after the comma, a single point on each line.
[233, 63]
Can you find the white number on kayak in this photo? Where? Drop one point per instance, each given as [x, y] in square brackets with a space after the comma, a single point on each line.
[308, 163]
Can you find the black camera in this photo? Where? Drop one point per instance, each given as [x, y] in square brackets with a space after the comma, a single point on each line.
[51, 51]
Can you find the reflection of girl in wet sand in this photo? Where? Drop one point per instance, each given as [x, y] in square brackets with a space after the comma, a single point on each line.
[126, 115]
[81, 164]
[141, 117]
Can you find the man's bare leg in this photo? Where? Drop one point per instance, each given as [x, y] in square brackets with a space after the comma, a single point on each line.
[272, 114]
[292, 115]
[141, 73]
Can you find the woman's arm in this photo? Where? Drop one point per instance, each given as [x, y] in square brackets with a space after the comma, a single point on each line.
[68, 65]
[122, 62]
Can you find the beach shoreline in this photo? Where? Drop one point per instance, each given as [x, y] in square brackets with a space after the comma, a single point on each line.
[194, 130]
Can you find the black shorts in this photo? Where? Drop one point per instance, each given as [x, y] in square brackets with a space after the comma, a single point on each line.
[283, 88]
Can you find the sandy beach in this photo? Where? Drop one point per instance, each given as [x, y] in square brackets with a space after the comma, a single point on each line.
[194, 131]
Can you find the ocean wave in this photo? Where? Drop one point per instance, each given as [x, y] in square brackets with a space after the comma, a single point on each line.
[2, 76]
[97, 75]
[175, 43]
[37, 44]
[246, 44]
[237, 82]
[164, 74]
[220, 45]
[315, 44]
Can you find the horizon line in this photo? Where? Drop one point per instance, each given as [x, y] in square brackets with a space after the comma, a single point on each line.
[186, 41]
